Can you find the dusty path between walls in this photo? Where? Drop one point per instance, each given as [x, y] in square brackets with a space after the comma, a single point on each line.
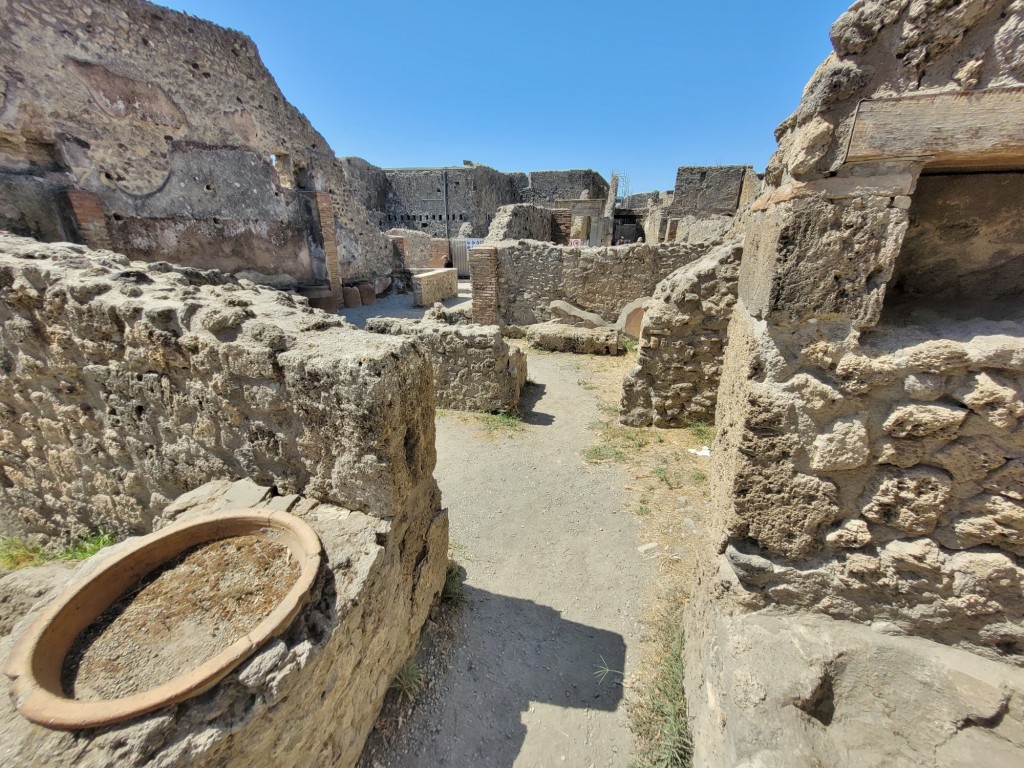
[533, 675]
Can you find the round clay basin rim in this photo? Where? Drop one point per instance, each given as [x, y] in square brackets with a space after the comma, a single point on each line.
[36, 661]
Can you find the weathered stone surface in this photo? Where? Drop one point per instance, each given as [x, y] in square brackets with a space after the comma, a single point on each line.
[434, 285]
[910, 521]
[631, 317]
[21, 590]
[316, 689]
[167, 378]
[682, 339]
[809, 691]
[910, 501]
[182, 136]
[557, 337]
[474, 368]
[844, 446]
[530, 275]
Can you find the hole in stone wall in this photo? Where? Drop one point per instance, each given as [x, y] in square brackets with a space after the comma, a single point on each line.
[963, 254]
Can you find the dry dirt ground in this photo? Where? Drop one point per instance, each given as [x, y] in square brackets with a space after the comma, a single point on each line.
[575, 538]
[563, 527]
[553, 587]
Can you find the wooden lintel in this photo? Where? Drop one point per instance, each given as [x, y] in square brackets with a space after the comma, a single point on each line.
[957, 131]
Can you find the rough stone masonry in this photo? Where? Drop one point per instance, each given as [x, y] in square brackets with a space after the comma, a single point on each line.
[869, 453]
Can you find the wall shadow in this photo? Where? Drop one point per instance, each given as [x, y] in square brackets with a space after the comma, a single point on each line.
[510, 653]
[531, 395]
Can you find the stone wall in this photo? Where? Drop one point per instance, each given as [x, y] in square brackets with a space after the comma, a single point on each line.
[529, 275]
[432, 286]
[416, 198]
[177, 128]
[412, 248]
[711, 190]
[547, 187]
[314, 690]
[682, 340]
[128, 384]
[521, 222]
[474, 368]
[866, 465]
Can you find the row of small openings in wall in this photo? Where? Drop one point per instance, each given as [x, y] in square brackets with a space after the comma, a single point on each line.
[425, 217]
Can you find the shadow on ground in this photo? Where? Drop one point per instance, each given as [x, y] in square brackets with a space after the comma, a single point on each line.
[532, 394]
[510, 653]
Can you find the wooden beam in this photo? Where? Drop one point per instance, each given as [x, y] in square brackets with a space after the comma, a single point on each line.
[952, 131]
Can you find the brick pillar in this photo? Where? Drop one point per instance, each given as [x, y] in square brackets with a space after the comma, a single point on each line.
[87, 216]
[324, 207]
[483, 273]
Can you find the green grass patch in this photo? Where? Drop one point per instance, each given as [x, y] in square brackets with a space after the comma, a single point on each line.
[604, 452]
[702, 430]
[410, 681]
[501, 423]
[658, 717]
[17, 553]
[643, 510]
[699, 477]
[452, 592]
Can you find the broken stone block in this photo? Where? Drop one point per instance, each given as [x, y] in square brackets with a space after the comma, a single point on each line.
[556, 337]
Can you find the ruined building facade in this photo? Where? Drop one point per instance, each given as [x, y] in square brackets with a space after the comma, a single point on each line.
[165, 138]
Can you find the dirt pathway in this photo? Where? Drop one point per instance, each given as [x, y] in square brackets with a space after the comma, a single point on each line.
[553, 583]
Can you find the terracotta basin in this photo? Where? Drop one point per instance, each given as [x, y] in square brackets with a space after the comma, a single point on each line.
[37, 658]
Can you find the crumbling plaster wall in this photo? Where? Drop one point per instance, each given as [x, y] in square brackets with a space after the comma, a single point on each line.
[682, 341]
[474, 367]
[135, 96]
[127, 384]
[530, 275]
[548, 187]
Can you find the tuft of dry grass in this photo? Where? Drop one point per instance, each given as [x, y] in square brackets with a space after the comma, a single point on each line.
[16, 553]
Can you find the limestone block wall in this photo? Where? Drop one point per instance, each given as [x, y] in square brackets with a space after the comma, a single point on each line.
[682, 341]
[474, 368]
[529, 275]
[136, 102]
[521, 222]
[434, 285]
[127, 384]
[316, 689]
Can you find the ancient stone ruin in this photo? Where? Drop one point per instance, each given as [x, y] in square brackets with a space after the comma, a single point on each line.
[172, 230]
[865, 544]
[134, 393]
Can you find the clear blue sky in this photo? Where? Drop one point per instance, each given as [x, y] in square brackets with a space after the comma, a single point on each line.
[639, 87]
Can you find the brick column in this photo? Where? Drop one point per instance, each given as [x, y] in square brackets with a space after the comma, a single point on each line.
[483, 273]
[324, 207]
[87, 216]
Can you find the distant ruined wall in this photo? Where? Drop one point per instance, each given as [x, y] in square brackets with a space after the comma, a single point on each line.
[529, 275]
[521, 222]
[179, 131]
[547, 187]
[682, 340]
[128, 384]
[712, 190]
[474, 195]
